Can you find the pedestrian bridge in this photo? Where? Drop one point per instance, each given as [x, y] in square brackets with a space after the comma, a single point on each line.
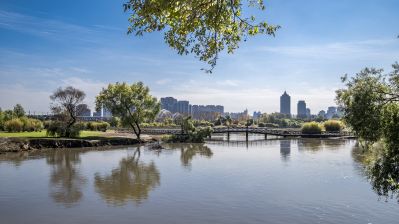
[250, 130]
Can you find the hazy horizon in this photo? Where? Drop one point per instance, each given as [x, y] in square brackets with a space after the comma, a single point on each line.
[44, 46]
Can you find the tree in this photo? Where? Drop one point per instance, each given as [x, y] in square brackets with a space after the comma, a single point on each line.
[64, 106]
[201, 27]
[19, 110]
[364, 99]
[133, 104]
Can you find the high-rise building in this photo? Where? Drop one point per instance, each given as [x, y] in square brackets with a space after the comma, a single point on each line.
[169, 103]
[308, 114]
[301, 109]
[183, 107]
[285, 104]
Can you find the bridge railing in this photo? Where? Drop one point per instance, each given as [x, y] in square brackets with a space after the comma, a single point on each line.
[271, 131]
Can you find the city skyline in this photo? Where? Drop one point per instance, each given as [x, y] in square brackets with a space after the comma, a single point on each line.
[94, 50]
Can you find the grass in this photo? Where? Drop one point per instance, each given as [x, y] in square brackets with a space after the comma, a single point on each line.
[42, 134]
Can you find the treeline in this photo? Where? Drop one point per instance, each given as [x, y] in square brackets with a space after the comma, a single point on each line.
[16, 121]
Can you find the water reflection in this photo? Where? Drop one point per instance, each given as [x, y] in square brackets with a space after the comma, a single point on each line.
[312, 145]
[285, 149]
[132, 180]
[65, 179]
[189, 151]
[382, 169]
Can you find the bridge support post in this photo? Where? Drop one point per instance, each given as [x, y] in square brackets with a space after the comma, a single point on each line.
[265, 136]
[228, 136]
[246, 134]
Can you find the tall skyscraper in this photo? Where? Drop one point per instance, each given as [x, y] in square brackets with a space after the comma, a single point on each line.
[301, 112]
[285, 104]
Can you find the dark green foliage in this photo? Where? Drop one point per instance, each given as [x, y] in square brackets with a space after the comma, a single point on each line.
[371, 108]
[58, 129]
[311, 128]
[19, 110]
[97, 126]
[190, 133]
[362, 102]
[115, 122]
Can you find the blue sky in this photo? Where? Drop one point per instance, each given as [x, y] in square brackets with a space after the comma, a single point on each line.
[46, 44]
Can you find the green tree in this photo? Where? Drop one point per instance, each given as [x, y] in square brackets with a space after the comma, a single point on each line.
[364, 99]
[64, 107]
[201, 27]
[19, 110]
[133, 104]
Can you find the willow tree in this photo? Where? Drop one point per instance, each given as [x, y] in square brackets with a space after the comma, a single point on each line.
[201, 27]
[133, 104]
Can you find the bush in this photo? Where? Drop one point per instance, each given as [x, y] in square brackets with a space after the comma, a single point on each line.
[30, 124]
[115, 122]
[311, 128]
[97, 126]
[333, 126]
[196, 136]
[58, 129]
[2, 120]
[47, 124]
[14, 125]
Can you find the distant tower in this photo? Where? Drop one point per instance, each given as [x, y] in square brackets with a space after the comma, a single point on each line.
[285, 104]
[301, 109]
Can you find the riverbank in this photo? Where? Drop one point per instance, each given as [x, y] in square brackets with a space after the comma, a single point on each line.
[12, 144]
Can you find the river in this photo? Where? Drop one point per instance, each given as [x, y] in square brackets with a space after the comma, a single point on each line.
[273, 181]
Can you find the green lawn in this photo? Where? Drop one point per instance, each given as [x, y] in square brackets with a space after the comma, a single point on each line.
[42, 134]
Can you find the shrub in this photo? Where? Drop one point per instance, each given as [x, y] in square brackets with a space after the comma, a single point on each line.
[47, 124]
[271, 125]
[58, 129]
[14, 125]
[333, 126]
[98, 126]
[2, 120]
[197, 136]
[103, 126]
[30, 124]
[115, 122]
[311, 128]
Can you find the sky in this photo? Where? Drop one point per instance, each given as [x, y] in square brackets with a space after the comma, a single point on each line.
[46, 44]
